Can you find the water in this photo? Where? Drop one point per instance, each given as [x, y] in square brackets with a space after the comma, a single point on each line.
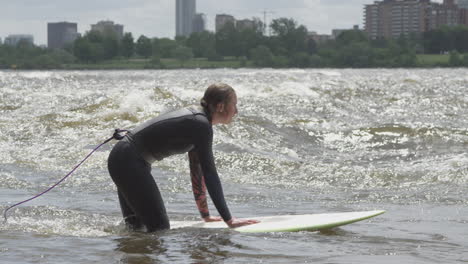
[305, 141]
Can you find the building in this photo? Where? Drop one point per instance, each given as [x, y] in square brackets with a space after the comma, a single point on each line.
[185, 16]
[245, 24]
[14, 40]
[319, 38]
[222, 20]
[392, 18]
[254, 24]
[60, 34]
[462, 4]
[199, 23]
[337, 32]
[377, 20]
[463, 15]
[444, 14]
[109, 27]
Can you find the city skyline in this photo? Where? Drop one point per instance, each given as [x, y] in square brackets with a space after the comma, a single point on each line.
[154, 18]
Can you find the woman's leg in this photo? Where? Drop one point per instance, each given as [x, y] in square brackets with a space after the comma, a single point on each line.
[137, 189]
[132, 221]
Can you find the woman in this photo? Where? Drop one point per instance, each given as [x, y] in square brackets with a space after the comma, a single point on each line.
[186, 130]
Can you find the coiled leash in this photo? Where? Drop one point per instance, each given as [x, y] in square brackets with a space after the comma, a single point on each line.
[118, 135]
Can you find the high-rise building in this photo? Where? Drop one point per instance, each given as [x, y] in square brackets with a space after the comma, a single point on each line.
[462, 3]
[60, 34]
[392, 18]
[199, 23]
[444, 14]
[14, 40]
[244, 24]
[185, 14]
[109, 27]
[222, 20]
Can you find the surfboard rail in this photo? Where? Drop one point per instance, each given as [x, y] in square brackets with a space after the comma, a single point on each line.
[289, 223]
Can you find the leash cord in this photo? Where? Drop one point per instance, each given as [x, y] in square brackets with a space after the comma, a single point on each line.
[118, 135]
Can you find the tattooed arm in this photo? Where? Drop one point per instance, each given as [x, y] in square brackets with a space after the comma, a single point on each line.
[198, 185]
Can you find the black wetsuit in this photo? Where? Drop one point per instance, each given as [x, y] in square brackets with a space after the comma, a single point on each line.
[129, 164]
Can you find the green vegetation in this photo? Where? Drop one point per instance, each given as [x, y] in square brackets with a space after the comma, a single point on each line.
[433, 60]
[288, 46]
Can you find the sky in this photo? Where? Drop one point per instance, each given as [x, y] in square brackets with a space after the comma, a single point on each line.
[156, 18]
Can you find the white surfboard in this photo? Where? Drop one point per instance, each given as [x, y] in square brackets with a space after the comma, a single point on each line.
[288, 223]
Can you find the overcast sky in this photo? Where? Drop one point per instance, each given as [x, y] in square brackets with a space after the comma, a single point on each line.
[156, 18]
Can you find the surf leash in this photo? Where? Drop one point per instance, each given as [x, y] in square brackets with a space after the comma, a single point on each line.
[118, 135]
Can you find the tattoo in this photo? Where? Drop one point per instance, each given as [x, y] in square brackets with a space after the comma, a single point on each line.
[198, 184]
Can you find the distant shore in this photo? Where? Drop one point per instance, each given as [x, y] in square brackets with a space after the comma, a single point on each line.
[423, 61]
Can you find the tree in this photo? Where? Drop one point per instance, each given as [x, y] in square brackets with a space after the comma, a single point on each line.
[227, 43]
[62, 56]
[350, 36]
[300, 60]
[291, 37]
[262, 56]
[82, 50]
[249, 38]
[455, 59]
[94, 36]
[167, 47]
[155, 47]
[202, 43]
[465, 60]
[183, 54]
[356, 54]
[110, 46]
[144, 47]
[127, 45]
[96, 46]
[311, 46]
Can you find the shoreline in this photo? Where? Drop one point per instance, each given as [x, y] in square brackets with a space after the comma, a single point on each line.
[424, 61]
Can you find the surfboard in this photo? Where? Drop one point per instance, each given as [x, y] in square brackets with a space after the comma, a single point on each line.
[288, 223]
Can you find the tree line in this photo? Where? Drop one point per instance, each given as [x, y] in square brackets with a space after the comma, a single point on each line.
[288, 46]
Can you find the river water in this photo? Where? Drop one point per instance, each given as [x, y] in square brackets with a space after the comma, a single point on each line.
[305, 141]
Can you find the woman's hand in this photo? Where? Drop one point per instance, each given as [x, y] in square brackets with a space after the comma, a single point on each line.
[234, 222]
[212, 219]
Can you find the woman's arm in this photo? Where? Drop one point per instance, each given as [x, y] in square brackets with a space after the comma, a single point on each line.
[198, 185]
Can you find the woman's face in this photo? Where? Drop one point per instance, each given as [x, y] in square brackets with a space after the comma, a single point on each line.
[226, 112]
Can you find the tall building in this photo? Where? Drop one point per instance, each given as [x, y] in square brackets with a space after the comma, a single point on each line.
[60, 34]
[222, 20]
[109, 27]
[392, 18]
[462, 3]
[377, 17]
[444, 14]
[14, 40]
[185, 16]
[199, 23]
[247, 24]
